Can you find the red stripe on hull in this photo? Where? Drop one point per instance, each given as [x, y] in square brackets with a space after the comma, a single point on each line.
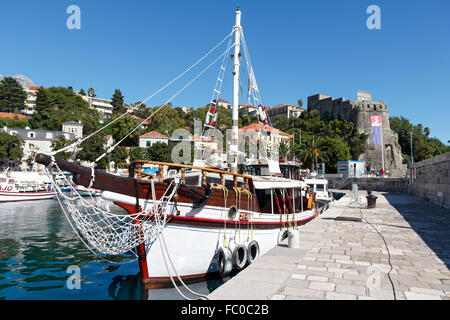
[4, 201]
[166, 282]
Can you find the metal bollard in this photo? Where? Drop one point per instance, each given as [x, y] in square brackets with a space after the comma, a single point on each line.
[294, 238]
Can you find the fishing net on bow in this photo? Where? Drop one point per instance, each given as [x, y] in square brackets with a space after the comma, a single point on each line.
[108, 231]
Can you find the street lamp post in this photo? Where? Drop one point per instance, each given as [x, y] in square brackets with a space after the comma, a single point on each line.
[411, 162]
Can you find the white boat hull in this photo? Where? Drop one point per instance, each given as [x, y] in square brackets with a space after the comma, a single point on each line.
[193, 248]
[26, 196]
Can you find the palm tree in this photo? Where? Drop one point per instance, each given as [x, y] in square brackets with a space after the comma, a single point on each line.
[91, 92]
[283, 150]
[426, 131]
[313, 149]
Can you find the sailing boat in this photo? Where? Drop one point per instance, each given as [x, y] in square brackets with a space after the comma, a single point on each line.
[203, 221]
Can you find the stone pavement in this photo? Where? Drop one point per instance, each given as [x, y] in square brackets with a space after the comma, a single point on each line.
[341, 259]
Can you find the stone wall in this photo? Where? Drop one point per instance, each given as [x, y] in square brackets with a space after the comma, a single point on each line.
[374, 184]
[432, 180]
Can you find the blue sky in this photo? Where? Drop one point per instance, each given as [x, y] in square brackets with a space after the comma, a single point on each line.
[298, 48]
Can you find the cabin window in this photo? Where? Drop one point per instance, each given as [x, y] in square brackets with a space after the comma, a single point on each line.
[30, 134]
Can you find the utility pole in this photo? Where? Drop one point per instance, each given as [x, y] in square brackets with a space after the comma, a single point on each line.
[411, 162]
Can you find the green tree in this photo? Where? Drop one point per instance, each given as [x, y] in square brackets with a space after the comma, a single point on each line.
[424, 147]
[122, 127]
[91, 92]
[82, 92]
[117, 102]
[159, 152]
[12, 95]
[138, 153]
[56, 105]
[312, 150]
[14, 123]
[246, 118]
[59, 143]
[91, 149]
[283, 150]
[142, 111]
[10, 148]
[119, 155]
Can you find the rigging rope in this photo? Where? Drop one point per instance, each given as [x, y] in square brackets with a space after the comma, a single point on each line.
[170, 99]
[75, 144]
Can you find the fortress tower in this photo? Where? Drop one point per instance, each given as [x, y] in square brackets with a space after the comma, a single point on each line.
[359, 112]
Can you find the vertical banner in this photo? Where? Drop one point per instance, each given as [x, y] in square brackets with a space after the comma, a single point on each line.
[376, 129]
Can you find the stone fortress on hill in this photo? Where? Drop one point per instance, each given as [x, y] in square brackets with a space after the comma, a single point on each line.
[359, 112]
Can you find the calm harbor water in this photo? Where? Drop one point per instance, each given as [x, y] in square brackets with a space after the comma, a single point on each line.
[37, 245]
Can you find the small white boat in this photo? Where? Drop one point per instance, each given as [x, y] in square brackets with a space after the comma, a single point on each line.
[12, 190]
[319, 185]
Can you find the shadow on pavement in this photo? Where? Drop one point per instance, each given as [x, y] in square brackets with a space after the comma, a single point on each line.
[429, 221]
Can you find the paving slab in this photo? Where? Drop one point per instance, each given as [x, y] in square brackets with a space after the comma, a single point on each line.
[401, 246]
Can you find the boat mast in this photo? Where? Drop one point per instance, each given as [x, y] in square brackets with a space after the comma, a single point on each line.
[235, 115]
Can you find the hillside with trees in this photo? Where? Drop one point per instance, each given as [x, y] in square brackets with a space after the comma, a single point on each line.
[321, 139]
[423, 145]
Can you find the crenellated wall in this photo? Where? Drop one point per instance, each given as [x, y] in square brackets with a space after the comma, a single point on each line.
[359, 112]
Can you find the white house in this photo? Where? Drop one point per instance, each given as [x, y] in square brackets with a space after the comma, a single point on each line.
[271, 137]
[287, 110]
[37, 141]
[150, 138]
[74, 127]
[103, 106]
[30, 100]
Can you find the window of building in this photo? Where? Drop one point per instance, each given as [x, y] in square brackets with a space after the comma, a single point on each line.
[148, 143]
[31, 134]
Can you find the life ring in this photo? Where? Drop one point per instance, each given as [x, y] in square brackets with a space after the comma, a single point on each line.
[252, 251]
[283, 234]
[224, 261]
[239, 256]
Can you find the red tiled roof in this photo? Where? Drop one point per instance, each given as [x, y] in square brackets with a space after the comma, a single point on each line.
[204, 139]
[12, 115]
[35, 87]
[222, 100]
[260, 127]
[153, 134]
[284, 105]
[140, 120]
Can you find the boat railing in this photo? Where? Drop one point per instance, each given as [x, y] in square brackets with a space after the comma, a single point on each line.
[136, 168]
